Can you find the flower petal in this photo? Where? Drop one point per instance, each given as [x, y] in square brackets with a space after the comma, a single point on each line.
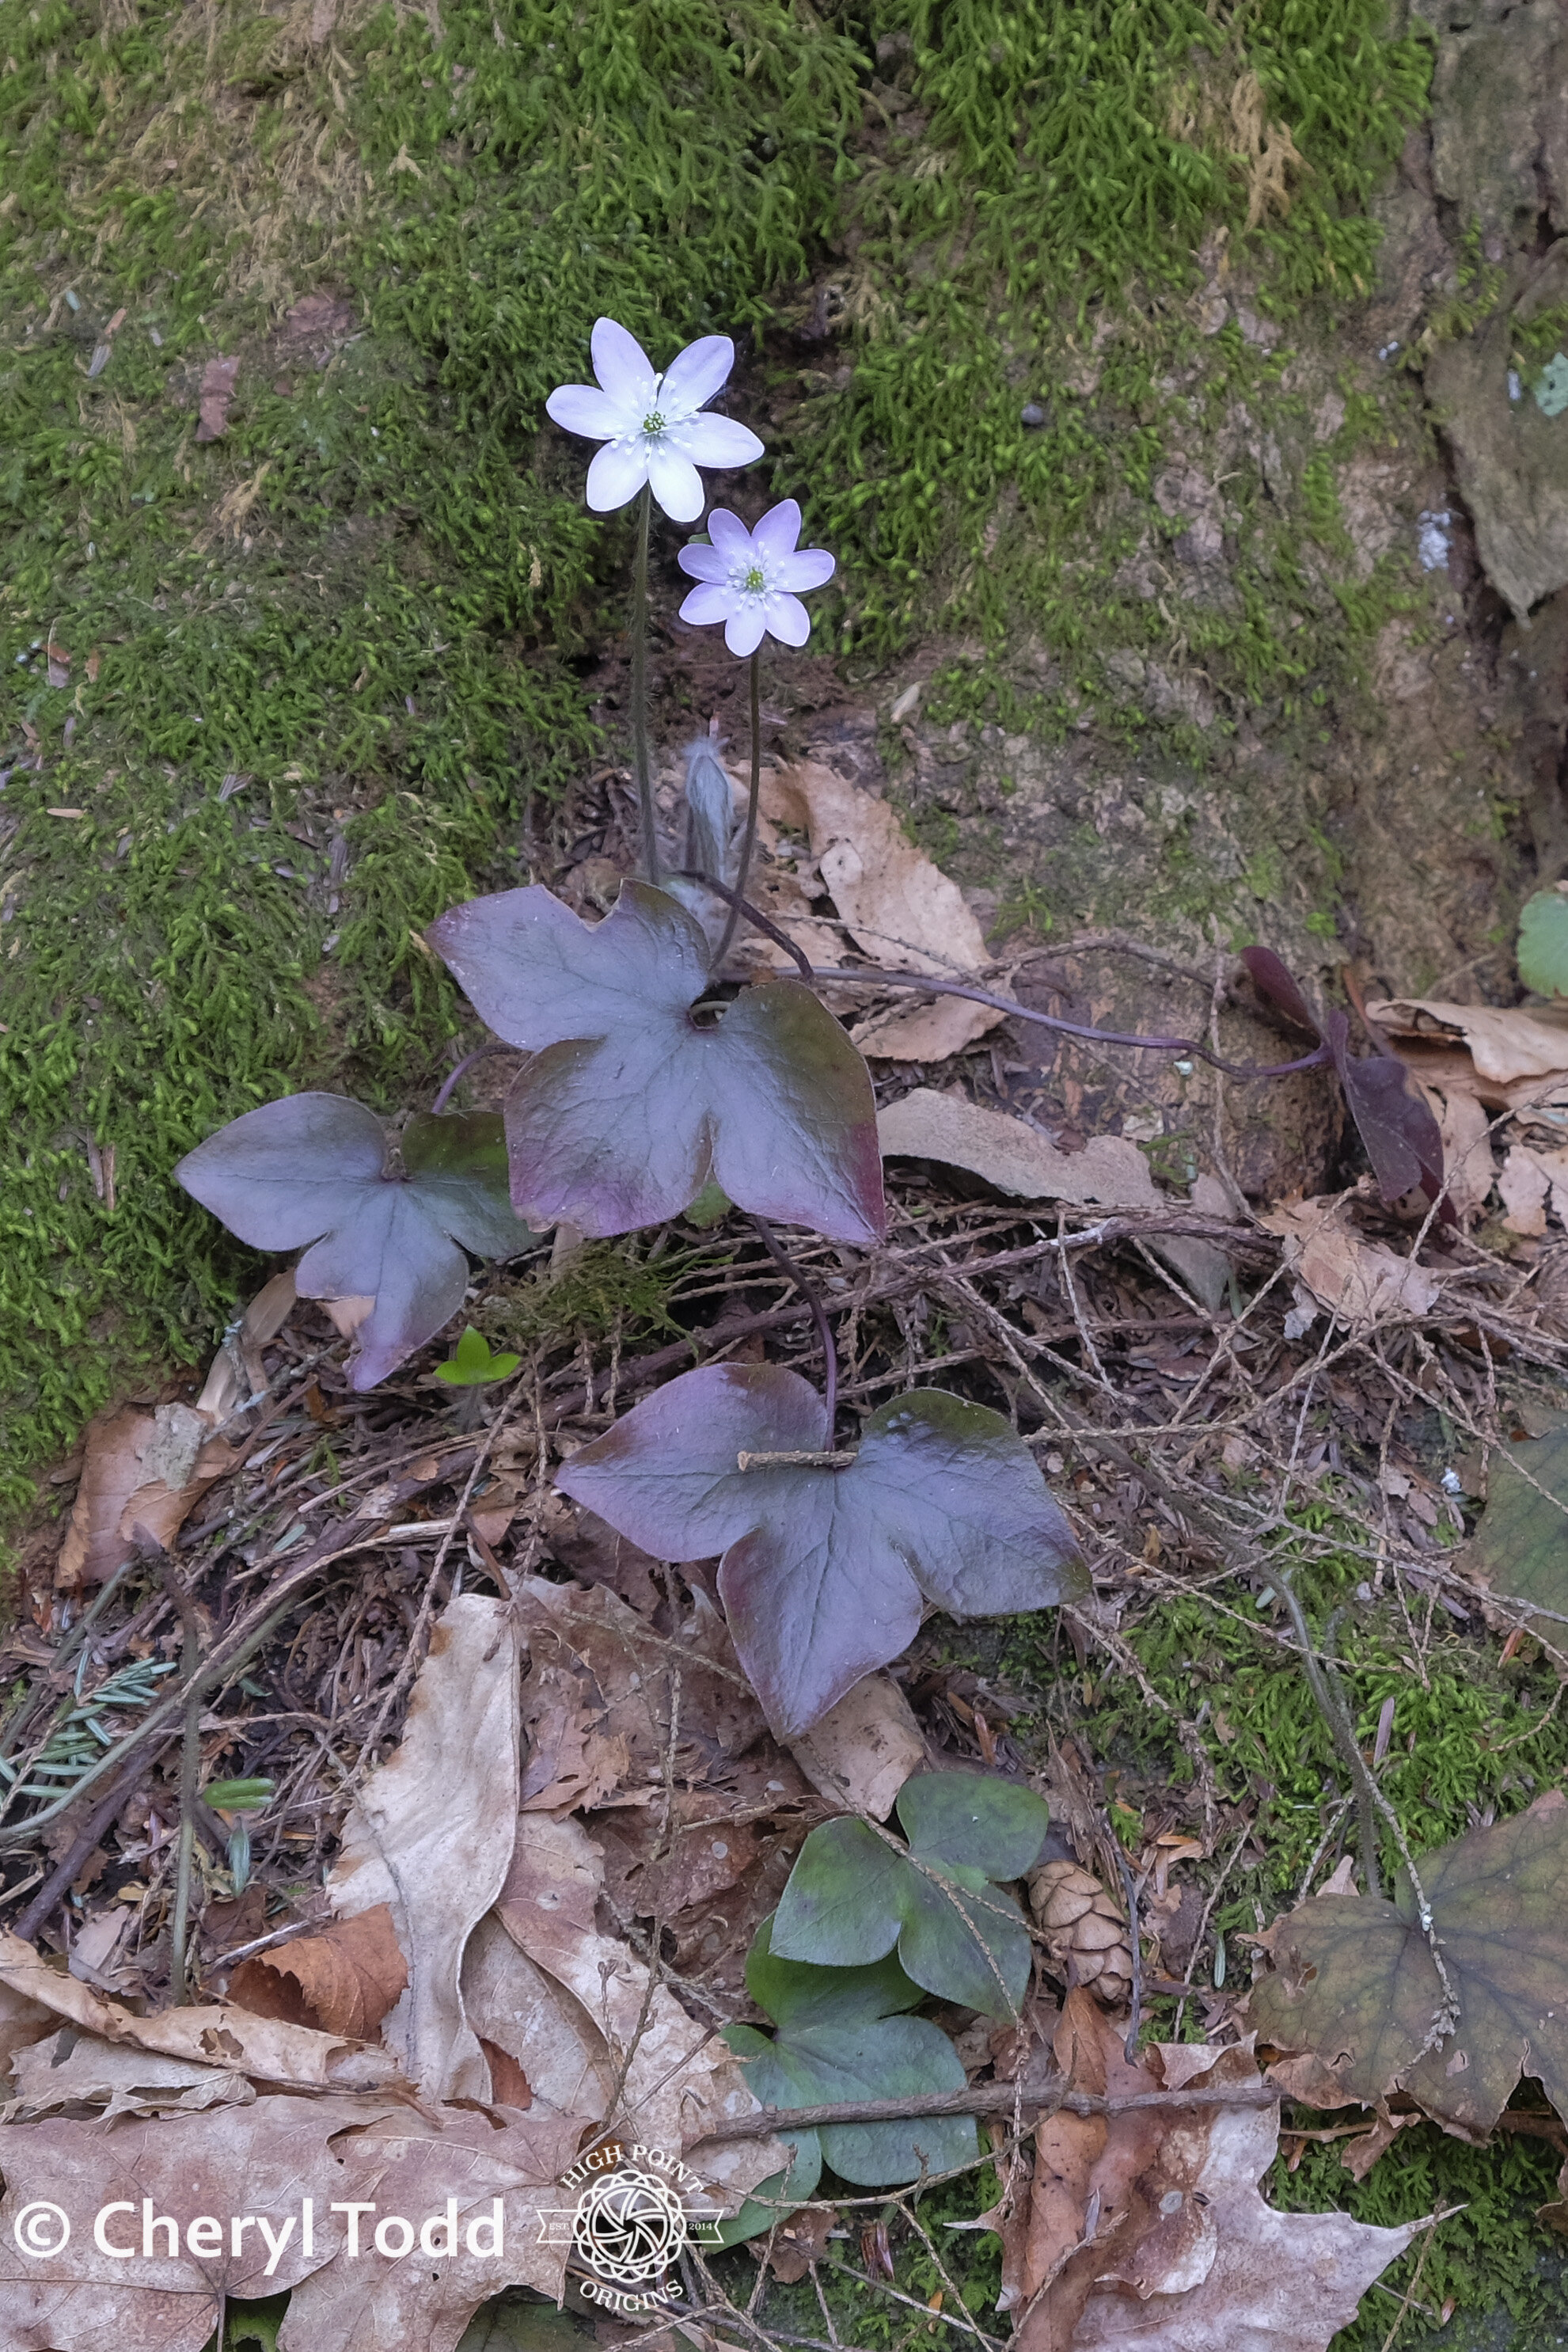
[583, 408]
[729, 535]
[809, 567]
[676, 483]
[623, 367]
[788, 620]
[703, 562]
[743, 631]
[709, 440]
[618, 472]
[706, 605]
[779, 528]
[694, 374]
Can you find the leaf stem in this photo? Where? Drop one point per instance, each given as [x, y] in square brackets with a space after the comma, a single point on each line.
[463, 1066]
[872, 976]
[748, 838]
[639, 688]
[753, 915]
[808, 1290]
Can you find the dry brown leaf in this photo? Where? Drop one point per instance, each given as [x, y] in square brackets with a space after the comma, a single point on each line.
[23, 2024]
[412, 2164]
[800, 2241]
[430, 1835]
[216, 2034]
[144, 1474]
[1358, 1280]
[1147, 2229]
[343, 1981]
[237, 1372]
[203, 2172]
[1505, 1044]
[861, 1751]
[213, 401]
[73, 2069]
[1522, 1187]
[678, 2082]
[567, 1760]
[1470, 1170]
[535, 2023]
[900, 908]
[591, 1547]
[1110, 1172]
[262, 2160]
[624, 1682]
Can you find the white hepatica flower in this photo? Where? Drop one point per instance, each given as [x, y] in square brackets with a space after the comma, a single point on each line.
[748, 578]
[651, 426]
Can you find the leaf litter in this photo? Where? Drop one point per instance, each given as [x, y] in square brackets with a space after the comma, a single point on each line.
[630, 1748]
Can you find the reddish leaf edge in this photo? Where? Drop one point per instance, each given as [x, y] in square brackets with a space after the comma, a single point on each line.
[1408, 1145]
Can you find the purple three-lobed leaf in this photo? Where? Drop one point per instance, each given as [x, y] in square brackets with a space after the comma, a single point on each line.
[1403, 1139]
[825, 1570]
[312, 1168]
[630, 1105]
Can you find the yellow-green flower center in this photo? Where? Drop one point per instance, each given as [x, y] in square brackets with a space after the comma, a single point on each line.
[653, 424]
[754, 581]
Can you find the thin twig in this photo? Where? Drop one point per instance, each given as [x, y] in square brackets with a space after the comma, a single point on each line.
[989, 2099]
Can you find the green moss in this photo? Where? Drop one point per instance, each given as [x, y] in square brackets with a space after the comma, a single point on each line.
[414, 575]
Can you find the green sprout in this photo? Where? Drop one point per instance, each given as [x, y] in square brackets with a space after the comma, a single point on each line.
[472, 1364]
[238, 1797]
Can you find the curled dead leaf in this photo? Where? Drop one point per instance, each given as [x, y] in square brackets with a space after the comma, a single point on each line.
[343, 1981]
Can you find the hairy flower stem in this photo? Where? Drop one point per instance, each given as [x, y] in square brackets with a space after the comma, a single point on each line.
[748, 838]
[808, 1290]
[639, 688]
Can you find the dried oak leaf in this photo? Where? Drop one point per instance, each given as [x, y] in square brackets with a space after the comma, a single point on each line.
[1351, 1989]
[263, 2159]
[430, 1836]
[825, 1570]
[267, 2050]
[582, 2002]
[343, 1981]
[412, 2164]
[312, 1169]
[1147, 2229]
[627, 1108]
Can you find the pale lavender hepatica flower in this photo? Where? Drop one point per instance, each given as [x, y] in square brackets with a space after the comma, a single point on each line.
[749, 578]
[653, 427]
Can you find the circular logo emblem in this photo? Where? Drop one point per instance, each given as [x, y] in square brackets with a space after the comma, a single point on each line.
[40, 2230]
[629, 2226]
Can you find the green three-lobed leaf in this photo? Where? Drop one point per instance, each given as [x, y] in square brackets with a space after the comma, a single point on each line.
[312, 1168]
[824, 1572]
[839, 2039]
[852, 1898]
[629, 1108]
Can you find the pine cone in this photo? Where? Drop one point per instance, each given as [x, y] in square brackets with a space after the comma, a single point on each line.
[1085, 1933]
